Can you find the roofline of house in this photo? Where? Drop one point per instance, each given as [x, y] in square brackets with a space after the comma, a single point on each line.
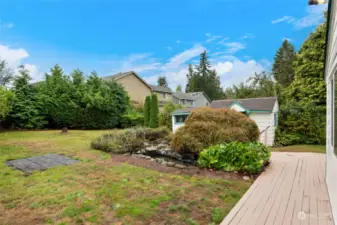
[139, 77]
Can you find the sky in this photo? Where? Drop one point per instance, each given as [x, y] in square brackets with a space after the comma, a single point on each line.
[152, 37]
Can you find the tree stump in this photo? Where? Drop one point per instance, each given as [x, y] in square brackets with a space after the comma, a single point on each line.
[64, 130]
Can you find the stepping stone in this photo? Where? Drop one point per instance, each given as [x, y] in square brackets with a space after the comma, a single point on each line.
[28, 165]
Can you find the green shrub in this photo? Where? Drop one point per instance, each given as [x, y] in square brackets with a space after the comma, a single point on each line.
[165, 117]
[129, 140]
[235, 156]
[205, 127]
[285, 139]
[154, 112]
[132, 119]
[147, 110]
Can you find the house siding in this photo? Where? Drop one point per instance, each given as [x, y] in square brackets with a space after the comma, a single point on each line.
[201, 101]
[330, 73]
[136, 89]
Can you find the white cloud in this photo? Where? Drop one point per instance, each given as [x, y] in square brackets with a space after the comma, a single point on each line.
[288, 19]
[5, 25]
[184, 56]
[314, 16]
[211, 38]
[233, 47]
[15, 57]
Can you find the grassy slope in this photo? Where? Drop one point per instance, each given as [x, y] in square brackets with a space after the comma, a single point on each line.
[99, 192]
[300, 148]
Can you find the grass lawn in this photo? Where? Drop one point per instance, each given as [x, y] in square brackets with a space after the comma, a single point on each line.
[300, 148]
[98, 191]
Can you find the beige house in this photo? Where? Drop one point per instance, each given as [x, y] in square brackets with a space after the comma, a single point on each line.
[138, 88]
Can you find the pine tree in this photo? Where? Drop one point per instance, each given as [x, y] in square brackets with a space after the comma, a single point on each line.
[6, 74]
[147, 110]
[283, 69]
[154, 112]
[162, 81]
[25, 113]
[192, 80]
[179, 89]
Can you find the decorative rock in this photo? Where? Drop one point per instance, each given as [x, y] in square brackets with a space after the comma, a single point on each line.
[235, 171]
[180, 166]
[152, 160]
[148, 157]
[171, 164]
[246, 178]
[151, 148]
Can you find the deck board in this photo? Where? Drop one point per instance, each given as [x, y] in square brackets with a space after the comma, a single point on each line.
[291, 191]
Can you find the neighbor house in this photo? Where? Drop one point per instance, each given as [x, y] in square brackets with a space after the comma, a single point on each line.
[164, 94]
[330, 71]
[191, 99]
[264, 111]
[134, 85]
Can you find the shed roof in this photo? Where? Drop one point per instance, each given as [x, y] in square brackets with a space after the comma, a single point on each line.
[183, 111]
[264, 104]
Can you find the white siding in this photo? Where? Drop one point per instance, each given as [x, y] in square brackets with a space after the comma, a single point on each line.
[330, 72]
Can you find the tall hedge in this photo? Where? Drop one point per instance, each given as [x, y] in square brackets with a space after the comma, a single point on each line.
[147, 110]
[154, 120]
[205, 127]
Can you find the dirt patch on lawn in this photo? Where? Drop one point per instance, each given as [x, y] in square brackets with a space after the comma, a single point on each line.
[190, 170]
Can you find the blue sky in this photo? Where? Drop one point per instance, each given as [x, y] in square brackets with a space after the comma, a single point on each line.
[152, 37]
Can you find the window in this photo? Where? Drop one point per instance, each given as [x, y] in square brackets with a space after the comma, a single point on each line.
[275, 119]
[180, 119]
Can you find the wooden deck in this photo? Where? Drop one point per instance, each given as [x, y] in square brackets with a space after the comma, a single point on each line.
[291, 191]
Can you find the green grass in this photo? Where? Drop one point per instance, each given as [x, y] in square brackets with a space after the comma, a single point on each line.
[300, 148]
[98, 191]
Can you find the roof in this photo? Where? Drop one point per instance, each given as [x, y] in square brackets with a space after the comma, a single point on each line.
[124, 74]
[196, 95]
[160, 89]
[183, 111]
[263, 104]
[185, 96]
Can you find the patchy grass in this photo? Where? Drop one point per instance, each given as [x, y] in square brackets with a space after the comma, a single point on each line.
[300, 148]
[98, 191]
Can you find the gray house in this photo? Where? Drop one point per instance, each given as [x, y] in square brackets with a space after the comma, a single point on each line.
[191, 99]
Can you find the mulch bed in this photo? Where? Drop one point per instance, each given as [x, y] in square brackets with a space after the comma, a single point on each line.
[190, 170]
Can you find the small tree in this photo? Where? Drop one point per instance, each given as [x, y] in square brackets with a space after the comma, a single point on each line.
[147, 110]
[154, 112]
[165, 117]
[179, 89]
[162, 81]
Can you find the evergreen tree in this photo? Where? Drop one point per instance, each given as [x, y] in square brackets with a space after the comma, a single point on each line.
[204, 79]
[154, 112]
[283, 69]
[25, 113]
[5, 99]
[6, 74]
[147, 110]
[162, 81]
[179, 88]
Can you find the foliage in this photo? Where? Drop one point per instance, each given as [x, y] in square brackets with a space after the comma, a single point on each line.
[301, 122]
[179, 88]
[205, 127]
[162, 81]
[260, 85]
[78, 102]
[165, 117]
[6, 96]
[283, 69]
[25, 111]
[6, 74]
[132, 118]
[154, 112]
[204, 79]
[129, 140]
[147, 110]
[235, 156]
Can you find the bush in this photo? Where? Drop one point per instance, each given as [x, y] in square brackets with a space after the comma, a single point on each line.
[205, 127]
[165, 117]
[132, 119]
[285, 139]
[147, 110]
[154, 112]
[235, 156]
[129, 140]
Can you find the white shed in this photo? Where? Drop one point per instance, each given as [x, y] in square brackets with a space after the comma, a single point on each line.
[264, 111]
